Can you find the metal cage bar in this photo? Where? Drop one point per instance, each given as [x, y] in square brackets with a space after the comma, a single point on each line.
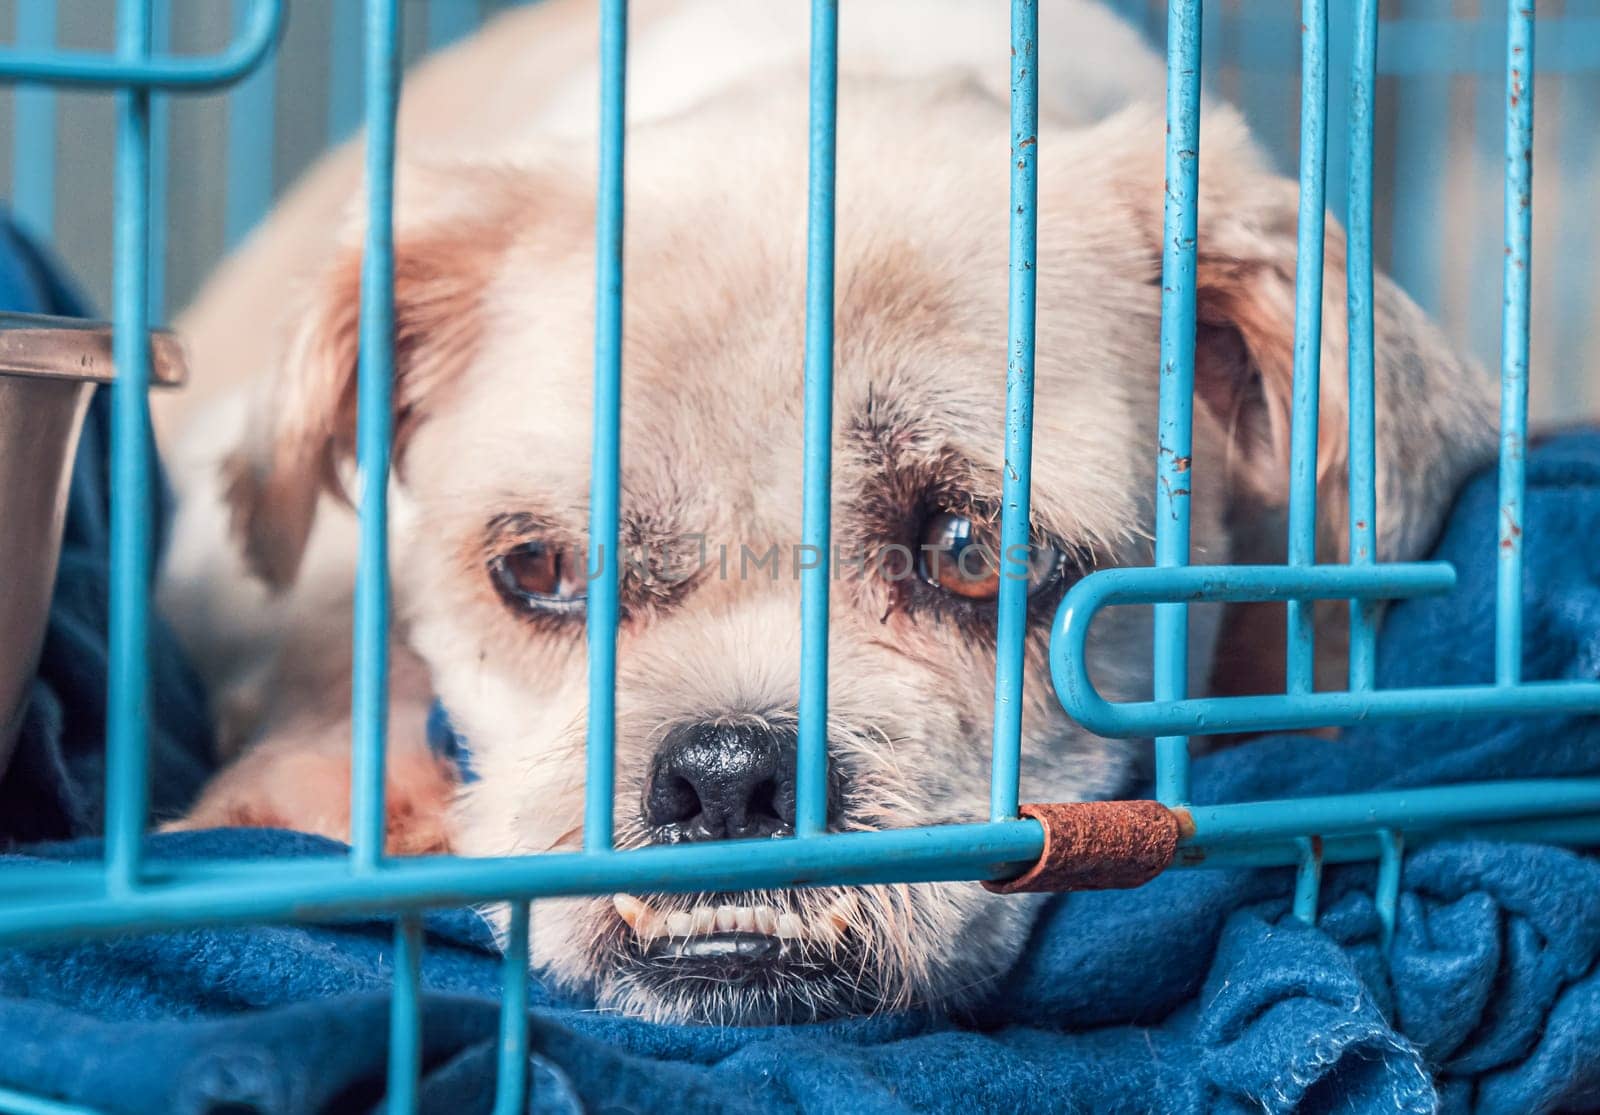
[1386, 896]
[1011, 631]
[18, 1103]
[449, 20]
[1212, 715]
[128, 690]
[374, 443]
[1299, 673]
[1307, 879]
[1514, 329]
[1420, 170]
[345, 71]
[84, 70]
[160, 166]
[811, 760]
[33, 141]
[605, 557]
[1175, 453]
[1580, 237]
[405, 1016]
[250, 125]
[511, 1077]
[1359, 315]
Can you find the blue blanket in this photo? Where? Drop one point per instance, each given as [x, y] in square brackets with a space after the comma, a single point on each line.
[1197, 992]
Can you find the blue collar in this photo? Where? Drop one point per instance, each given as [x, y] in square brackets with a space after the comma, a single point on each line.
[445, 742]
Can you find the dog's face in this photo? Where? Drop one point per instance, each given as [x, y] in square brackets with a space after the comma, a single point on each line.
[495, 310]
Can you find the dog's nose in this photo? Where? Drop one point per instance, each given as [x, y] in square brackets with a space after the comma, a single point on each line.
[722, 782]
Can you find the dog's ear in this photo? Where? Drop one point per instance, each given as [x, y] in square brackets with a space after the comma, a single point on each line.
[1435, 415]
[450, 238]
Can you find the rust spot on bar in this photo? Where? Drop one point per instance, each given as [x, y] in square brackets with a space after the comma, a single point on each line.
[1099, 845]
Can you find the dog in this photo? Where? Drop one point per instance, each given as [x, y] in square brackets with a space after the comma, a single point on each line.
[495, 305]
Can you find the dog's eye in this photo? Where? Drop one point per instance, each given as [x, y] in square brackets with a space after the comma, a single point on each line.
[953, 556]
[537, 575]
[960, 557]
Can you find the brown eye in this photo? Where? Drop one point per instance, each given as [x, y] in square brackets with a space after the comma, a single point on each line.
[537, 575]
[960, 557]
[955, 557]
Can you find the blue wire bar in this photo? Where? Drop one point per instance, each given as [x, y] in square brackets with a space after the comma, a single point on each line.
[1514, 325]
[1420, 178]
[128, 687]
[1175, 451]
[1359, 307]
[20, 1103]
[344, 71]
[1488, 115]
[1268, 582]
[449, 20]
[83, 70]
[1366, 813]
[1311, 228]
[605, 468]
[1308, 879]
[250, 125]
[1573, 831]
[66, 901]
[811, 760]
[1386, 894]
[1571, 371]
[253, 891]
[405, 1018]
[33, 142]
[511, 1083]
[160, 168]
[1016, 483]
[374, 437]
[1282, 711]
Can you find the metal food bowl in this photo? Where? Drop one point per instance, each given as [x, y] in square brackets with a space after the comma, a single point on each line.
[49, 367]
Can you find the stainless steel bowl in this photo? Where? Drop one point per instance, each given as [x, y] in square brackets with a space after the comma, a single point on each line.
[48, 369]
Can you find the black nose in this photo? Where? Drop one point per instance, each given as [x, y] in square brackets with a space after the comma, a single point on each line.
[722, 782]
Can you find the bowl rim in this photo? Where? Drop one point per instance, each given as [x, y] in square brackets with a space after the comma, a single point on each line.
[79, 350]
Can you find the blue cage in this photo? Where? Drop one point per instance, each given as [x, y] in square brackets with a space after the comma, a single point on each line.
[1374, 173]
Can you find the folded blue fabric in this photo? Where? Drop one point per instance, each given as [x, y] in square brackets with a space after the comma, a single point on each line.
[53, 786]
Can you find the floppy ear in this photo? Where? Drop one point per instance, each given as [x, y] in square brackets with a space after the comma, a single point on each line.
[1435, 415]
[301, 435]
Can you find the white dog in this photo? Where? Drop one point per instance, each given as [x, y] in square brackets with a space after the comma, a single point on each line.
[495, 308]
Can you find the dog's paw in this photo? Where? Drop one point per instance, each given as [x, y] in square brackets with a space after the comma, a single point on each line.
[305, 786]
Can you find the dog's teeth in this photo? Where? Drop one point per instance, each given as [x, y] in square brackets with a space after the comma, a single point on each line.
[631, 910]
[680, 923]
[703, 919]
[727, 919]
[787, 926]
[744, 919]
[766, 919]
